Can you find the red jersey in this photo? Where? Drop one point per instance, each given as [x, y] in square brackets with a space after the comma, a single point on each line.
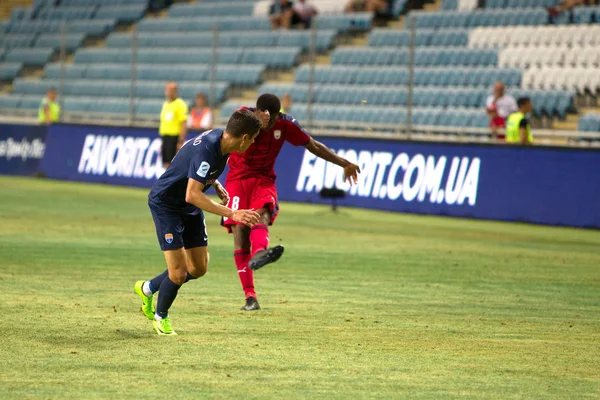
[259, 159]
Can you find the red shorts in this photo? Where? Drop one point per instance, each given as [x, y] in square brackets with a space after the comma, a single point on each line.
[251, 193]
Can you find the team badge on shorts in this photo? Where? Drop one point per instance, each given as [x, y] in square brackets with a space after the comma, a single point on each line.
[169, 238]
[277, 134]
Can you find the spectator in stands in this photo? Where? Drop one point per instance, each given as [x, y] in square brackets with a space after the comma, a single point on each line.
[366, 5]
[505, 103]
[173, 123]
[518, 129]
[201, 117]
[497, 123]
[304, 12]
[282, 14]
[566, 5]
[286, 103]
[49, 110]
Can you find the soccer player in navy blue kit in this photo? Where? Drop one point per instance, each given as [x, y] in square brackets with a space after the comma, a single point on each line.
[177, 202]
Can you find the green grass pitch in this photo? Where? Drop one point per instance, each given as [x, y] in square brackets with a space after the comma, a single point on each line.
[362, 305]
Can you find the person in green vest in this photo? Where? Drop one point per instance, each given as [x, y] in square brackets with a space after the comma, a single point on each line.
[518, 129]
[49, 111]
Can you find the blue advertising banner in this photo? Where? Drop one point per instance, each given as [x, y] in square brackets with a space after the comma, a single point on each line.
[21, 148]
[538, 185]
[118, 156]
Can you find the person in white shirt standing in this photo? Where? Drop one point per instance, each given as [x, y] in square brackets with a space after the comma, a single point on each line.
[505, 103]
[304, 12]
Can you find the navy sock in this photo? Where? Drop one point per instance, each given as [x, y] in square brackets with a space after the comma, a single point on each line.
[157, 280]
[166, 296]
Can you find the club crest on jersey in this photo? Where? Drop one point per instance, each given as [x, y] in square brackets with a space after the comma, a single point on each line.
[277, 134]
[169, 238]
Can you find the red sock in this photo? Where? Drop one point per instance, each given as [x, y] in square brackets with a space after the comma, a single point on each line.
[241, 258]
[259, 238]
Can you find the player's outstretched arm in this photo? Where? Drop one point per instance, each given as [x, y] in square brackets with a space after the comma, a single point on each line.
[196, 197]
[351, 171]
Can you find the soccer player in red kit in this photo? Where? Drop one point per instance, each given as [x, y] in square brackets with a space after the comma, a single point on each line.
[251, 185]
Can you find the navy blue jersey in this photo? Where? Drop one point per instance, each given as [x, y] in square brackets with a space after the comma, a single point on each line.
[200, 159]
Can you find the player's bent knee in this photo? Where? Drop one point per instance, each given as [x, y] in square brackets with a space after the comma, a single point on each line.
[198, 261]
[199, 267]
[178, 276]
[176, 264]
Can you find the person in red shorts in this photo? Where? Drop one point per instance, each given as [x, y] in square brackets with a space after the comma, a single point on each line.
[251, 185]
[497, 123]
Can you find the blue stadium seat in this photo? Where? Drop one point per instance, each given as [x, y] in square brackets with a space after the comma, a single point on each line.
[9, 70]
[16, 40]
[96, 88]
[324, 41]
[149, 106]
[240, 74]
[226, 39]
[109, 105]
[10, 102]
[346, 22]
[65, 13]
[21, 13]
[423, 56]
[274, 58]
[586, 15]
[34, 56]
[449, 4]
[71, 71]
[589, 122]
[398, 7]
[30, 102]
[102, 2]
[239, 8]
[77, 104]
[109, 71]
[495, 3]
[124, 13]
[94, 27]
[72, 41]
[23, 86]
[198, 24]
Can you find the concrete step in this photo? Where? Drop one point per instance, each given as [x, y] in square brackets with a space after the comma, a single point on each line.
[397, 24]
[572, 117]
[587, 110]
[361, 40]
[435, 6]
[565, 125]
[285, 77]
[250, 95]
[323, 60]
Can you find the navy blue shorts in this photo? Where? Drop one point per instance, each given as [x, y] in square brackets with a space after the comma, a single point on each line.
[175, 231]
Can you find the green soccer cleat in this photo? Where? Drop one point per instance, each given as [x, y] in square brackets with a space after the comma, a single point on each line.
[163, 327]
[147, 303]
